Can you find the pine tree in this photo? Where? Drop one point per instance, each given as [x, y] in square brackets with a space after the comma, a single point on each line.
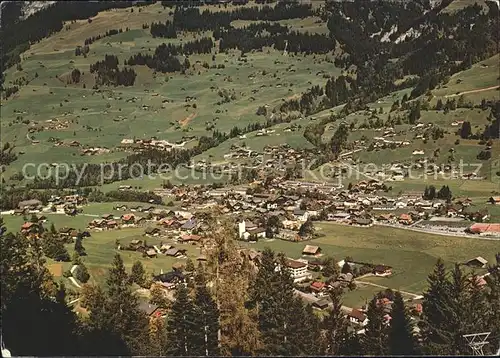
[334, 326]
[436, 312]
[157, 297]
[272, 293]
[375, 337]
[189, 265]
[330, 268]
[81, 273]
[79, 246]
[493, 297]
[33, 307]
[401, 339]
[138, 274]
[181, 325]
[54, 248]
[206, 322]
[126, 320]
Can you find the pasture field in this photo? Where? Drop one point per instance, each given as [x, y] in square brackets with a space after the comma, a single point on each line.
[155, 106]
[411, 254]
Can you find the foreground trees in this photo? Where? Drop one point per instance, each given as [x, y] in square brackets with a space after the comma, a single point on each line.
[231, 307]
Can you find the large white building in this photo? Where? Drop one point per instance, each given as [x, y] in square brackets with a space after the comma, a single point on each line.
[298, 270]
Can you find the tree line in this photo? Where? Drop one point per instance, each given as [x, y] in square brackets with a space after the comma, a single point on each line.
[108, 72]
[18, 35]
[230, 308]
[191, 19]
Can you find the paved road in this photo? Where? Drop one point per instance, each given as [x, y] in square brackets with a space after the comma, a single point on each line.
[415, 296]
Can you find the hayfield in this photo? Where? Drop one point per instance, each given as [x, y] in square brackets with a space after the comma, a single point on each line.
[156, 105]
[411, 254]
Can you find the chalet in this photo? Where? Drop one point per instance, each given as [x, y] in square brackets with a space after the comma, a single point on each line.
[151, 253]
[339, 216]
[259, 232]
[362, 222]
[175, 252]
[190, 238]
[152, 231]
[300, 215]
[65, 231]
[495, 200]
[251, 254]
[311, 250]
[477, 281]
[345, 278]
[405, 219]
[478, 262]
[31, 204]
[111, 224]
[148, 308]
[175, 277]
[135, 244]
[29, 227]
[128, 218]
[382, 270]
[358, 317]
[107, 216]
[189, 225]
[317, 287]
[321, 304]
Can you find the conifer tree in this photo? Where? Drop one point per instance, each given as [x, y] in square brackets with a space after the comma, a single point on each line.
[493, 297]
[138, 274]
[181, 325]
[401, 339]
[79, 246]
[127, 321]
[435, 311]
[206, 321]
[272, 293]
[375, 338]
[35, 318]
[81, 273]
[334, 326]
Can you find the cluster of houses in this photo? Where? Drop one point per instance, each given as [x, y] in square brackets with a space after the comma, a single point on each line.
[152, 143]
[59, 204]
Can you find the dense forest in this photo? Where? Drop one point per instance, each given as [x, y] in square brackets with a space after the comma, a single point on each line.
[245, 310]
[108, 73]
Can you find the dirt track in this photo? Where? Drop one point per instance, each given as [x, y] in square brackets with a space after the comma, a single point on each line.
[473, 91]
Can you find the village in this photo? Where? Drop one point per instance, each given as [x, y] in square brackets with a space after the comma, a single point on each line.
[280, 210]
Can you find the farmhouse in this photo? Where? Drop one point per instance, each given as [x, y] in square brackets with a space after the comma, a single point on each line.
[478, 262]
[382, 270]
[311, 250]
[495, 200]
[31, 204]
[358, 317]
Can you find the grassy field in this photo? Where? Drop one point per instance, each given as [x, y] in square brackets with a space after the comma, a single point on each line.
[411, 254]
[104, 119]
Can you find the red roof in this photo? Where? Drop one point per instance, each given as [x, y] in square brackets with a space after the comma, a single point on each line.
[483, 227]
[27, 225]
[357, 314]
[128, 217]
[317, 285]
